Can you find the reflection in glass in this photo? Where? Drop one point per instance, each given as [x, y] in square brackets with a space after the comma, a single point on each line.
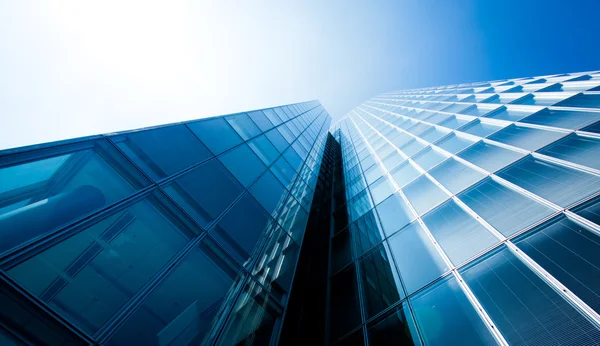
[381, 286]
[396, 328]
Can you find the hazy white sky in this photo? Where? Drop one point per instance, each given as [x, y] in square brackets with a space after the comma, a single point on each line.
[70, 68]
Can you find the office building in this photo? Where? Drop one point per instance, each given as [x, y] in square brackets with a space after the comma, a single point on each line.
[457, 215]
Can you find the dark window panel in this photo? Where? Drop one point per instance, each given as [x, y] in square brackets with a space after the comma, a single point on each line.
[216, 134]
[243, 164]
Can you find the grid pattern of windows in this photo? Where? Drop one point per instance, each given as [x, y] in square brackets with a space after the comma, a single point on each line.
[186, 233]
[473, 215]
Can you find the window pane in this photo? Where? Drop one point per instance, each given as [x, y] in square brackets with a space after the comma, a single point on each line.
[394, 214]
[428, 158]
[91, 275]
[506, 210]
[392, 160]
[42, 195]
[489, 157]
[512, 113]
[243, 164]
[216, 134]
[446, 316]
[582, 100]
[240, 230]
[480, 129]
[526, 137]
[404, 174]
[454, 143]
[268, 191]
[561, 185]
[578, 149]
[283, 171]
[380, 284]
[344, 306]
[460, 236]
[396, 328]
[261, 120]
[381, 189]
[183, 308]
[264, 149]
[453, 122]
[243, 125]
[590, 210]
[412, 147]
[277, 139]
[423, 194]
[525, 309]
[568, 119]
[417, 259]
[373, 173]
[456, 176]
[570, 253]
[365, 233]
[205, 191]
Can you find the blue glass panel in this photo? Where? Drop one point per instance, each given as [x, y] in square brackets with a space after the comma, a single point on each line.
[89, 276]
[396, 327]
[456, 176]
[283, 171]
[526, 137]
[412, 147]
[381, 286]
[570, 253]
[511, 113]
[595, 128]
[480, 129]
[272, 116]
[446, 317]
[205, 191]
[559, 184]
[568, 119]
[163, 151]
[381, 189]
[489, 157]
[293, 158]
[460, 236]
[417, 259]
[453, 122]
[394, 214]
[264, 149]
[523, 307]
[289, 137]
[243, 125]
[216, 134]
[268, 191]
[43, 190]
[578, 149]
[261, 120]
[543, 99]
[392, 160]
[590, 210]
[428, 158]
[453, 143]
[293, 219]
[582, 100]
[404, 174]
[506, 210]
[240, 230]
[277, 140]
[423, 194]
[365, 233]
[243, 164]
[183, 308]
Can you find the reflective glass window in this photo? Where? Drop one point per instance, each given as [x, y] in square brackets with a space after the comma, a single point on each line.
[489, 157]
[264, 149]
[283, 171]
[216, 134]
[272, 116]
[43, 190]
[243, 164]
[423, 194]
[268, 191]
[583, 150]
[394, 214]
[253, 318]
[511, 113]
[525, 309]
[590, 210]
[277, 140]
[428, 158]
[455, 176]
[240, 229]
[392, 160]
[412, 147]
[381, 286]
[460, 235]
[556, 183]
[396, 327]
[261, 120]
[163, 151]
[434, 134]
[478, 110]
[205, 191]
[570, 253]
[404, 174]
[526, 137]
[454, 143]
[595, 127]
[293, 219]
[373, 173]
[506, 210]
[89, 276]
[446, 317]
[454, 122]
[183, 309]
[243, 125]
[481, 129]
[582, 100]
[344, 305]
[542, 99]
[365, 233]
[381, 189]
[417, 259]
[567, 119]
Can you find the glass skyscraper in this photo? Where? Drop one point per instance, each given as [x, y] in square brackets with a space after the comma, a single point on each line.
[458, 215]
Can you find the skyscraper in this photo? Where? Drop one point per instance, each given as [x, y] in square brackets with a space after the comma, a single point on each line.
[457, 215]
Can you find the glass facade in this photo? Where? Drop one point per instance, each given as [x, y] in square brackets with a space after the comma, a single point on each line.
[457, 215]
[473, 216]
[181, 234]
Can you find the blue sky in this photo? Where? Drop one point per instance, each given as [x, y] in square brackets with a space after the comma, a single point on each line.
[72, 68]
